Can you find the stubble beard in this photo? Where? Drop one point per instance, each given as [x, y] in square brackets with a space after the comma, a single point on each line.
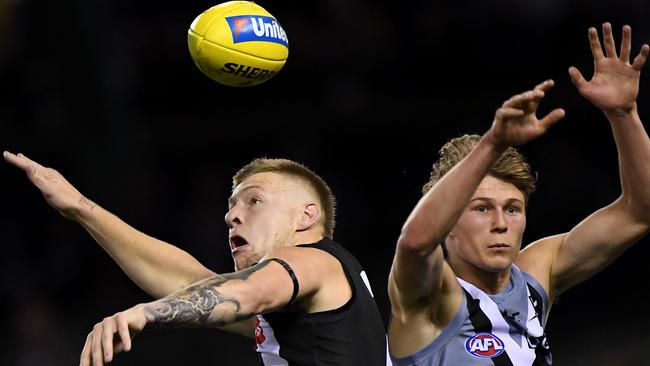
[279, 240]
[247, 261]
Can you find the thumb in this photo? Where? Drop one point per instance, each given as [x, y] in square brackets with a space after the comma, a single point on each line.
[550, 119]
[576, 77]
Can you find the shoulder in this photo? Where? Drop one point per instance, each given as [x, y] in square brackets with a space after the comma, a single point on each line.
[536, 259]
[304, 256]
[415, 326]
[322, 281]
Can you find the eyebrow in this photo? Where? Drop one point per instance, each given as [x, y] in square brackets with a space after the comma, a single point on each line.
[232, 199]
[508, 201]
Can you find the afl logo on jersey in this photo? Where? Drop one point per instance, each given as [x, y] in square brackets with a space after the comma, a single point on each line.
[484, 345]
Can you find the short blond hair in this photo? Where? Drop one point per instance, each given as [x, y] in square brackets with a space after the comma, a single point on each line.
[511, 166]
[296, 170]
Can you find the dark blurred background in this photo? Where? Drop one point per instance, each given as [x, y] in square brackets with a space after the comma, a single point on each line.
[105, 92]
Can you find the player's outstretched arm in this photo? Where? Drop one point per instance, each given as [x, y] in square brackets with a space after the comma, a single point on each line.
[157, 267]
[604, 235]
[217, 301]
[419, 274]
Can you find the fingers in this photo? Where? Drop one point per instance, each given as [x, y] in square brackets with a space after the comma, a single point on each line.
[641, 58]
[610, 46]
[594, 44]
[20, 160]
[96, 346]
[107, 340]
[520, 100]
[85, 353]
[626, 44]
[608, 40]
[505, 113]
[545, 85]
[123, 330]
[534, 95]
[24, 163]
[102, 343]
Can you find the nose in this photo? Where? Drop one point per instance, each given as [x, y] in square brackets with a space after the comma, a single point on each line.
[499, 223]
[232, 217]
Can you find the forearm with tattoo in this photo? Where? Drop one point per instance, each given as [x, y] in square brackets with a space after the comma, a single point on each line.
[201, 303]
[85, 201]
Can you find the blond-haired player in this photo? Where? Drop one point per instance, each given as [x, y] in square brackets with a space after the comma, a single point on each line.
[486, 301]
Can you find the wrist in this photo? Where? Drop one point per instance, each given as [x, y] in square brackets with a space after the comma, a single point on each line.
[490, 141]
[82, 211]
[142, 311]
[615, 114]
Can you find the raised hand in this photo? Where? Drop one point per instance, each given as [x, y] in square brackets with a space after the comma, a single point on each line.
[615, 83]
[58, 192]
[112, 336]
[516, 122]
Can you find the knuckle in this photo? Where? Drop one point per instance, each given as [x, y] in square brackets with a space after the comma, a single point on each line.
[109, 321]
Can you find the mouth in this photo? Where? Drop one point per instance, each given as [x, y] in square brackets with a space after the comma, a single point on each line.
[237, 242]
[498, 246]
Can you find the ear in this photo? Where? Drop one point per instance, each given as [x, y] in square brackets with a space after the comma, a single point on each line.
[309, 217]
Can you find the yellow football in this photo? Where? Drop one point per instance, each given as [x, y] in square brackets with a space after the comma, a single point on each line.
[238, 43]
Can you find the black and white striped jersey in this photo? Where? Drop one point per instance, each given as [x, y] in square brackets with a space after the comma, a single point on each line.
[506, 329]
[351, 335]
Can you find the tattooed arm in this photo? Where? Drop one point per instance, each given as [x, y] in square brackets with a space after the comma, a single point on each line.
[222, 300]
[217, 301]
[205, 303]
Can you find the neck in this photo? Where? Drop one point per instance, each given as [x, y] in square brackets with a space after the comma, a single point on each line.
[489, 282]
[306, 237]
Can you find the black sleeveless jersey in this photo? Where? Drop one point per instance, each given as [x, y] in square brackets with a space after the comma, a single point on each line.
[353, 334]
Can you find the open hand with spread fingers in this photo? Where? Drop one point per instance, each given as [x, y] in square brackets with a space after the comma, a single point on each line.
[614, 85]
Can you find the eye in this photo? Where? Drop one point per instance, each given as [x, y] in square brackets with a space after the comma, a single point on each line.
[255, 200]
[513, 210]
[481, 208]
